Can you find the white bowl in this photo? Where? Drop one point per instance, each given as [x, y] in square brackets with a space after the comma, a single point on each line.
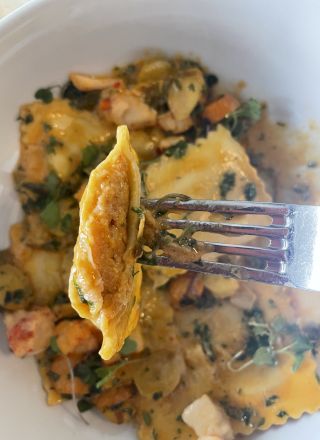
[271, 44]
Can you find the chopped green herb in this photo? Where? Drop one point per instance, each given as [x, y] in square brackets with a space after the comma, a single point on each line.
[211, 79]
[227, 183]
[155, 435]
[205, 301]
[54, 345]
[178, 150]
[84, 405]
[250, 191]
[272, 303]
[47, 127]
[81, 294]
[261, 422]
[239, 121]
[129, 346]
[87, 370]
[298, 359]
[264, 356]
[106, 373]
[52, 182]
[271, 400]
[250, 110]
[282, 413]
[138, 211]
[192, 87]
[52, 144]
[148, 259]
[202, 331]
[51, 214]
[53, 375]
[66, 223]
[302, 190]
[147, 418]
[45, 95]
[176, 82]
[27, 119]
[78, 99]
[14, 296]
[157, 395]
[156, 95]
[279, 324]
[89, 155]
[66, 396]
[61, 298]
[244, 415]
[179, 418]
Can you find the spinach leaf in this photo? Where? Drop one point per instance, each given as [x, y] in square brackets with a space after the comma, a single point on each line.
[44, 94]
[227, 183]
[202, 331]
[51, 214]
[78, 99]
[178, 150]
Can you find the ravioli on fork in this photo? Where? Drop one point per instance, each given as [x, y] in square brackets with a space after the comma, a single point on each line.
[105, 280]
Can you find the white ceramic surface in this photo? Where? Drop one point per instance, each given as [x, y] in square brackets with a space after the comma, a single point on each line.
[271, 44]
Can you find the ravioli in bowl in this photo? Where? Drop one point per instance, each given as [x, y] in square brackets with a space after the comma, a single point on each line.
[179, 354]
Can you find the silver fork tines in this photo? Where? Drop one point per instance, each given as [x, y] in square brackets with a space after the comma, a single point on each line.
[291, 257]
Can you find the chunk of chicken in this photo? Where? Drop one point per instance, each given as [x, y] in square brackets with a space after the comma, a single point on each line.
[77, 336]
[129, 109]
[62, 382]
[207, 419]
[168, 142]
[185, 93]
[29, 332]
[167, 122]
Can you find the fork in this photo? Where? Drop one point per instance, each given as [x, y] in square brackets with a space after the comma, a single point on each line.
[290, 258]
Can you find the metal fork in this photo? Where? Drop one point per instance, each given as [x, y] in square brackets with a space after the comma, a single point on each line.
[291, 257]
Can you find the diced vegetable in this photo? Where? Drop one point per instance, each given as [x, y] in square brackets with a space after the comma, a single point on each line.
[219, 109]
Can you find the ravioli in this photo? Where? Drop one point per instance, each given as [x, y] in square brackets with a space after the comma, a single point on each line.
[105, 279]
[55, 138]
[199, 172]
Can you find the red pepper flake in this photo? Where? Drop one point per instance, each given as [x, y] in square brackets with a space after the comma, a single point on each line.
[116, 85]
[105, 104]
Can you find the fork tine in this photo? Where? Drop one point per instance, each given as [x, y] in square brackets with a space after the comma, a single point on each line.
[245, 251]
[272, 231]
[221, 207]
[226, 270]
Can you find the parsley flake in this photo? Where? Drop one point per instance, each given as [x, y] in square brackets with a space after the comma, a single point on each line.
[44, 94]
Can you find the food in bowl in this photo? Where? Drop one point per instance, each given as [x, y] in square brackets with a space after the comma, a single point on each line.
[182, 355]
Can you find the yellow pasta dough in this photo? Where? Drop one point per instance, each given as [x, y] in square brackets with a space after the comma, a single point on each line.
[105, 279]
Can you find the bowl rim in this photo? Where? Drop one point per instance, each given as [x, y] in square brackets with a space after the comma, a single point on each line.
[20, 13]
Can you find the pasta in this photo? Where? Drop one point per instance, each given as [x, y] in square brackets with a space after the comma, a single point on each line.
[144, 344]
